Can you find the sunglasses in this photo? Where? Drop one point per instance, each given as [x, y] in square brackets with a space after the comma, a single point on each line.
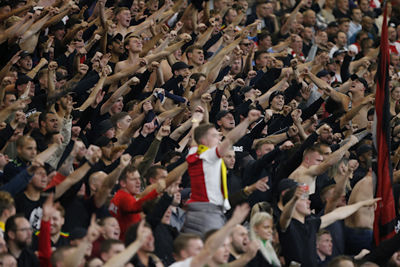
[246, 44]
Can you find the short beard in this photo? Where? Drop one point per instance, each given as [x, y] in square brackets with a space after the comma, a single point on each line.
[22, 244]
[237, 249]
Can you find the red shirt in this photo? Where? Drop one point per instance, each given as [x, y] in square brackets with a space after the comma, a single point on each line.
[126, 209]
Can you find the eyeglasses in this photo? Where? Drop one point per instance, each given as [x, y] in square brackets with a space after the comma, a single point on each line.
[246, 44]
[29, 229]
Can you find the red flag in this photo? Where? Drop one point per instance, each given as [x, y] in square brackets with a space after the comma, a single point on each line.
[385, 213]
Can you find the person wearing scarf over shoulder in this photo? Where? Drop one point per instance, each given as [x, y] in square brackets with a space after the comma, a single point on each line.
[209, 191]
[261, 230]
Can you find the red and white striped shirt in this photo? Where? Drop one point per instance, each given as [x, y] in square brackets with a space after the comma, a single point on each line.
[205, 176]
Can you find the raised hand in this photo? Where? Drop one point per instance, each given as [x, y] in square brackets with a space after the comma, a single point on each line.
[143, 233]
[206, 98]
[286, 146]
[58, 139]
[93, 154]
[125, 160]
[198, 114]
[253, 115]
[94, 230]
[164, 131]
[52, 66]
[48, 207]
[252, 249]
[261, 185]
[240, 213]
[134, 81]
[83, 69]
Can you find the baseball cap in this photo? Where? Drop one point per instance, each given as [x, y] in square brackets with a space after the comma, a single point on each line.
[363, 149]
[360, 79]
[221, 114]
[273, 95]
[338, 52]
[180, 65]
[324, 73]
[24, 54]
[116, 37]
[103, 127]
[22, 79]
[285, 184]
[245, 89]
[104, 141]
[333, 24]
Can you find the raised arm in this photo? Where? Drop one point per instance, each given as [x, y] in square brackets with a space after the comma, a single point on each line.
[172, 176]
[332, 158]
[36, 27]
[292, 17]
[238, 132]
[48, 153]
[15, 12]
[368, 100]
[120, 259]
[89, 101]
[51, 81]
[77, 254]
[109, 182]
[218, 238]
[133, 127]
[124, 89]
[335, 95]
[263, 99]
[36, 69]
[288, 209]
[346, 211]
[151, 152]
[206, 68]
[341, 179]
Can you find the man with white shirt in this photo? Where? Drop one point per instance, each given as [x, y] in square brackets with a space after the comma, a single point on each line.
[207, 171]
[355, 23]
[340, 43]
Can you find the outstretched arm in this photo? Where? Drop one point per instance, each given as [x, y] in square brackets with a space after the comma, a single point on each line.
[124, 89]
[344, 212]
[332, 158]
[101, 195]
[172, 176]
[120, 259]
[218, 238]
[238, 132]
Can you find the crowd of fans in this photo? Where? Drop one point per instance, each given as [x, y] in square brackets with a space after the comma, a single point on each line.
[193, 133]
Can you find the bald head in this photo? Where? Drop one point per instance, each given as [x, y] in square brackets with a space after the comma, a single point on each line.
[96, 180]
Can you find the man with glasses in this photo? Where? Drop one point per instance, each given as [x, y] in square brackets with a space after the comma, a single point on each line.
[18, 235]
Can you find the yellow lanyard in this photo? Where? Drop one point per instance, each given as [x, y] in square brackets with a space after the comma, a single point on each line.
[224, 178]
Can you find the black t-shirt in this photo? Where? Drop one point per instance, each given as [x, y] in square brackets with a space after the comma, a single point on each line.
[77, 213]
[299, 241]
[63, 240]
[27, 258]
[32, 209]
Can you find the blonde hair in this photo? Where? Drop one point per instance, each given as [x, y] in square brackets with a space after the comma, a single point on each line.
[266, 248]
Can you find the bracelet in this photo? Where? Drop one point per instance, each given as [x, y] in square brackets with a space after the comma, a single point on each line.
[246, 191]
